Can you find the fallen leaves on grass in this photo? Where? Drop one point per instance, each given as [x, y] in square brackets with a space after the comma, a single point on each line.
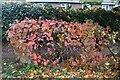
[68, 71]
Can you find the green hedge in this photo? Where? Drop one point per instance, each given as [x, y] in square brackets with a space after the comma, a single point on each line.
[13, 11]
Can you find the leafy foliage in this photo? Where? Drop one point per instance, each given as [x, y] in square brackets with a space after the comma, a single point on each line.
[51, 48]
[13, 11]
[48, 41]
[106, 70]
[52, 42]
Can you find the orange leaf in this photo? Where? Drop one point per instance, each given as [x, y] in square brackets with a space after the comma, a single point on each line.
[34, 56]
[45, 63]
[21, 24]
[30, 43]
[39, 57]
[25, 30]
[38, 60]
[36, 63]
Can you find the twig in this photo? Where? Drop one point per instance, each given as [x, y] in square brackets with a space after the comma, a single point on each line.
[111, 52]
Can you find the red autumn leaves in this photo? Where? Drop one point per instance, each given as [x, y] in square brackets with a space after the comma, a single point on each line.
[36, 58]
[31, 43]
[38, 33]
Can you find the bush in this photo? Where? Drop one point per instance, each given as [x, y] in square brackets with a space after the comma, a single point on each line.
[13, 11]
[49, 41]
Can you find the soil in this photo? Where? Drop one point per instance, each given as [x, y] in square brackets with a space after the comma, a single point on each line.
[8, 54]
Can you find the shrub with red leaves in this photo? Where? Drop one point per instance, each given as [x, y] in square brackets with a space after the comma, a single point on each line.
[45, 42]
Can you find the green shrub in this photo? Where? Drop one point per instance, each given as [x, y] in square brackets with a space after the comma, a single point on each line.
[13, 11]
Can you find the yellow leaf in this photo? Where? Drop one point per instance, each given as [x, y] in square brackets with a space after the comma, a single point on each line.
[107, 63]
[43, 74]
[23, 54]
[86, 76]
[31, 75]
[58, 35]
[30, 29]
[46, 76]
[51, 38]
[62, 35]
[40, 71]
[61, 39]
[35, 72]
[101, 77]
[105, 76]
[59, 45]
[57, 71]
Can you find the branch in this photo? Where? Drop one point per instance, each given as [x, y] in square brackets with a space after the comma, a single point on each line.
[111, 52]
